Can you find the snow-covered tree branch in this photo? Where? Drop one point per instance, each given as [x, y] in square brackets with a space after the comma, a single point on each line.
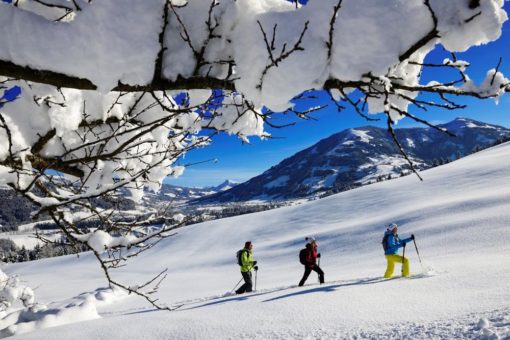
[109, 94]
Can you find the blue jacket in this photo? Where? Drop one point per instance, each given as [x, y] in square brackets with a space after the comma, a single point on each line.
[393, 242]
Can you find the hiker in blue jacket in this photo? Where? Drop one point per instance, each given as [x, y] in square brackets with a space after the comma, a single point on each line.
[391, 244]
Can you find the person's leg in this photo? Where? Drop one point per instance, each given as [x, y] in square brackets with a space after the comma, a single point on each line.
[241, 289]
[391, 265]
[305, 276]
[246, 285]
[405, 264]
[392, 259]
[319, 271]
[249, 282]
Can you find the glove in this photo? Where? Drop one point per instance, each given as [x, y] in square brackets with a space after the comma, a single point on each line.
[256, 268]
[319, 255]
[412, 237]
[254, 263]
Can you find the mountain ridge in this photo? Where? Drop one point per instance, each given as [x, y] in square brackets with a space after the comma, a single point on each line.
[359, 156]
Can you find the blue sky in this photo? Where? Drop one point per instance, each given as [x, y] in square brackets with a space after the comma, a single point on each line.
[240, 162]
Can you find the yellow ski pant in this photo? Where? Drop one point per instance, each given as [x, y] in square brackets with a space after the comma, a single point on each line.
[392, 259]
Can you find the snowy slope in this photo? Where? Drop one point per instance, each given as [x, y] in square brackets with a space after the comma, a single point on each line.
[459, 214]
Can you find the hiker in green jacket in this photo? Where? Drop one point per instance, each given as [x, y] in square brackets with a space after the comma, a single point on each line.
[247, 264]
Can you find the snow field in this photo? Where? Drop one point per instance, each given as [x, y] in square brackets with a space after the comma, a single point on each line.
[28, 239]
[459, 214]
[79, 308]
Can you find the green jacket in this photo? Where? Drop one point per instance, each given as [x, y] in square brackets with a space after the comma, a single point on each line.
[246, 260]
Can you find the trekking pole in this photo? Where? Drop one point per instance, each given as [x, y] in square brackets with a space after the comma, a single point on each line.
[256, 271]
[319, 265]
[418, 253]
[237, 284]
[403, 258]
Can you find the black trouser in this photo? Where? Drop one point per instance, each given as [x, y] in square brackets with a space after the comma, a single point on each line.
[247, 286]
[308, 270]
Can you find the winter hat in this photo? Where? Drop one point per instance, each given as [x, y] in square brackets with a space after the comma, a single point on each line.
[310, 239]
[247, 244]
[392, 226]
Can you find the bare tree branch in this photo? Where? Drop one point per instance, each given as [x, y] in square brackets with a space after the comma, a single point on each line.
[431, 35]
[275, 60]
[329, 43]
[397, 143]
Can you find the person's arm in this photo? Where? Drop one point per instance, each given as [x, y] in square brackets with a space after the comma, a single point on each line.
[409, 239]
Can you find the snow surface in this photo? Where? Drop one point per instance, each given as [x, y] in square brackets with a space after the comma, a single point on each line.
[279, 182]
[28, 240]
[25, 235]
[383, 166]
[361, 135]
[410, 143]
[459, 214]
[318, 182]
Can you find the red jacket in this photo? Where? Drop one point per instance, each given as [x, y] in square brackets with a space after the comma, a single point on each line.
[311, 256]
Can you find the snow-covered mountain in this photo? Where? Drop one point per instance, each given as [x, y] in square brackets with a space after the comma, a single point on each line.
[362, 155]
[226, 185]
[459, 214]
[179, 194]
[173, 193]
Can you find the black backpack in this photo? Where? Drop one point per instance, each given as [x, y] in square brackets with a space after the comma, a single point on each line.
[385, 241]
[239, 254]
[302, 255]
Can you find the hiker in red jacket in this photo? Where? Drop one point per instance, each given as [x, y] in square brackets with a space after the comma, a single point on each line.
[310, 262]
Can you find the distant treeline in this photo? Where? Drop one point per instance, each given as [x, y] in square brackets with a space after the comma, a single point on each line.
[230, 210]
[96, 223]
[16, 210]
[9, 252]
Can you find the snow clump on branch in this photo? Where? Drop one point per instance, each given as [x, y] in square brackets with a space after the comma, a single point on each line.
[276, 51]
